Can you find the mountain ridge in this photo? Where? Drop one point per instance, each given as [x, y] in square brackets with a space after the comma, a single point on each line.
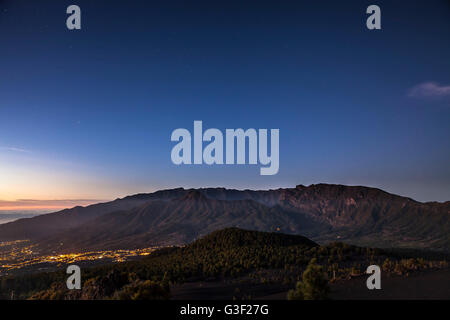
[323, 212]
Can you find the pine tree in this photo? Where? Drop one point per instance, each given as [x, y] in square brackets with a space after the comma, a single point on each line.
[314, 285]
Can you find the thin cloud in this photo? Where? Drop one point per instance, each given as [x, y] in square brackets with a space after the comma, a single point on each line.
[429, 89]
[14, 149]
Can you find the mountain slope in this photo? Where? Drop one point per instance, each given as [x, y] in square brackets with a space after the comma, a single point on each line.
[51, 223]
[176, 222]
[43, 225]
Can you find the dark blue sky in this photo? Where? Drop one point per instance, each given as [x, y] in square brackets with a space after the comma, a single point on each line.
[89, 113]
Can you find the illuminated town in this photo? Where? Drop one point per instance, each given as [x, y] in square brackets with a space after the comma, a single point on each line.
[17, 255]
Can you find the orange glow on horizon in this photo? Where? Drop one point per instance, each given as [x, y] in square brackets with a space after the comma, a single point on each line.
[47, 205]
[9, 208]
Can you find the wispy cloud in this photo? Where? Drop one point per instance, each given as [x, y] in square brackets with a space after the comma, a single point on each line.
[14, 149]
[429, 89]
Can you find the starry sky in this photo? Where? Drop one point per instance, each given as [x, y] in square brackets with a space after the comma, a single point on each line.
[86, 115]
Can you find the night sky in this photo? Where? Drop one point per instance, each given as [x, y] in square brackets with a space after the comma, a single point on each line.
[88, 114]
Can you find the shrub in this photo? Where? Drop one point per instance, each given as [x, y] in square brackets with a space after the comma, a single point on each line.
[142, 290]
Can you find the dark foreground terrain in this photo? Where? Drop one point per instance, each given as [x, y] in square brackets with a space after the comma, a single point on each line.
[241, 264]
[421, 285]
[425, 285]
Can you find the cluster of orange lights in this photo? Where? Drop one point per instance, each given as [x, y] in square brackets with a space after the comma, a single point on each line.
[19, 254]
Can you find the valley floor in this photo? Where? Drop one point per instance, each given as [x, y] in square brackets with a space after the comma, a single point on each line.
[425, 285]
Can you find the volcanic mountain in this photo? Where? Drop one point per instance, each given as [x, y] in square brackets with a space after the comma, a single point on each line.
[322, 212]
[177, 221]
